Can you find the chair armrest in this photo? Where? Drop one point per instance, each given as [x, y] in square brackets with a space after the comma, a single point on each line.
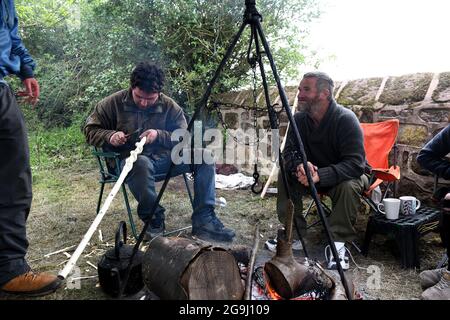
[105, 154]
[391, 174]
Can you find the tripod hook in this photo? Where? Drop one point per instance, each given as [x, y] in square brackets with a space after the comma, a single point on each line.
[251, 12]
[256, 177]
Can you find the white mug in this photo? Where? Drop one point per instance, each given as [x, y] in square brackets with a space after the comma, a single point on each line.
[390, 207]
[409, 205]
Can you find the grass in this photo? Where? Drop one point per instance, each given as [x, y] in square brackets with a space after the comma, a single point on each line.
[65, 197]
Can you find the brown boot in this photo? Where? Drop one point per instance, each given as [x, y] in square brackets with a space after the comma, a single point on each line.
[32, 284]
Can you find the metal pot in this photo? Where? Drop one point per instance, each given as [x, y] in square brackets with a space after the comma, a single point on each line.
[113, 265]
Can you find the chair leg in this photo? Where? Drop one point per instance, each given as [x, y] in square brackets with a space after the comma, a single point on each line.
[325, 208]
[367, 237]
[130, 214]
[186, 182]
[311, 205]
[102, 187]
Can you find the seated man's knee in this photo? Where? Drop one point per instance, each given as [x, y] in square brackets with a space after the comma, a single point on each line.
[353, 186]
[208, 157]
[143, 166]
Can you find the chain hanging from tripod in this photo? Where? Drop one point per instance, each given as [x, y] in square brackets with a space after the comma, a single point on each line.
[253, 61]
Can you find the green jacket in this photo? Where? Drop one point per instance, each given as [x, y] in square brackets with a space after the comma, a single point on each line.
[118, 112]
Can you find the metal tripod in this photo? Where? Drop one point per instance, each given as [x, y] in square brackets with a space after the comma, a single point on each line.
[253, 19]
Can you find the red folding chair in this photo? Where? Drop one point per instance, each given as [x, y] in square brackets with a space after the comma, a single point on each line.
[379, 140]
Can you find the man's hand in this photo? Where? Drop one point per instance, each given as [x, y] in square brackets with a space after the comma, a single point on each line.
[118, 139]
[31, 92]
[301, 174]
[151, 135]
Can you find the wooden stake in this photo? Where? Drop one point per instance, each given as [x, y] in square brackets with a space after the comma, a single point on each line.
[248, 284]
[274, 171]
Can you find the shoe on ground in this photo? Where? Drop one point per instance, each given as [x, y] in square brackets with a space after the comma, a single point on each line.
[271, 245]
[441, 290]
[343, 258]
[32, 284]
[156, 228]
[213, 230]
[429, 278]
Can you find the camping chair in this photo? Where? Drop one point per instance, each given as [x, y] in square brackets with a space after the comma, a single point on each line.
[109, 164]
[379, 140]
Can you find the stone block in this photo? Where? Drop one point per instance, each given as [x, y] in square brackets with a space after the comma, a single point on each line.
[413, 135]
[232, 120]
[406, 89]
[361, 92]
[442, 92]
[434, 115]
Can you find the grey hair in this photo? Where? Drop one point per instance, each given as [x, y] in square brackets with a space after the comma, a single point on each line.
[324, 81]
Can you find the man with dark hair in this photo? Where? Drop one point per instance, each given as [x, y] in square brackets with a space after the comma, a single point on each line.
[333, 142]
[143, 107]
[432, 157]
[16, 276]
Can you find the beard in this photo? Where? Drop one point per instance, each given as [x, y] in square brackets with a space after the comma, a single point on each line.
[308, 105]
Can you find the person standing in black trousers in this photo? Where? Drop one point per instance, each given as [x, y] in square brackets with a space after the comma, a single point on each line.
[16, 276]
[437, 282]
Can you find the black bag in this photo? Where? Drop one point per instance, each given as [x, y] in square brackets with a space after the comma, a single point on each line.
[113, 265]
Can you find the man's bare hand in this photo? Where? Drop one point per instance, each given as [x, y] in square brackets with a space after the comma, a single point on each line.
[301, 174]
[118, 139]
[151, 135]
[31, 92]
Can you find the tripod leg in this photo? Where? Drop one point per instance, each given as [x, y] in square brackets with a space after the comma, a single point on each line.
[274, 126]
[299, 143]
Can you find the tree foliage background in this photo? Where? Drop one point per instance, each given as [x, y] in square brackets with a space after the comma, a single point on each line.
[85, 49]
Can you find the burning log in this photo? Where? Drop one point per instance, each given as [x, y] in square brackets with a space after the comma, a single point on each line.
[181, 269]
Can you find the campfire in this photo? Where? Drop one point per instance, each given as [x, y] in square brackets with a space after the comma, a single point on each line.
[262, 290]
[179, 268]
[197, 282]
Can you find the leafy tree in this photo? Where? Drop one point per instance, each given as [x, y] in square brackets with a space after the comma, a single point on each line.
[86, 49]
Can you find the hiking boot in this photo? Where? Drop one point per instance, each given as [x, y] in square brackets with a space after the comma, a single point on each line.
[155, 228]
[213, 230]
[429, 278]
[343, 258]
[441, 290]
[271, 245]
[32, 284]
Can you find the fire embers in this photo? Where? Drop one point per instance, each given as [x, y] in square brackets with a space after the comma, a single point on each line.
[288, 278]
[317, 286]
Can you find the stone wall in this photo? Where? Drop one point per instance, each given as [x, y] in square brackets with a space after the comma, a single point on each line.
[420, 101]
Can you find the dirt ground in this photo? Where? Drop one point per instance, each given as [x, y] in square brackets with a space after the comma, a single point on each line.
[64, 207]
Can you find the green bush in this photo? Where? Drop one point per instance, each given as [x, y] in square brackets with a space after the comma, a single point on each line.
[58, 147]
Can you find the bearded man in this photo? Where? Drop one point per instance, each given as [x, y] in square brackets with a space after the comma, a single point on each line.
[333, 142]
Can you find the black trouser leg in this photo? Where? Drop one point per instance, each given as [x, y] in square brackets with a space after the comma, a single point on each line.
[15, 187]
[445, 234]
